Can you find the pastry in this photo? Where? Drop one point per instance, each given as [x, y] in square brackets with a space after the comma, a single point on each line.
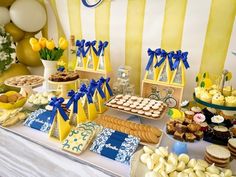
[209, 112]
[199, 91]
[205, 96]
[179, 136]
[190, 137]
[199, 135]
[64, 76]
[181, 128]
[204, 126]
[227, 91]
[230, 101]
[221, 132]
[214, 92]
[218, 99]
[228, 115]
[4, 98]
[193, 127]
[199, 117]
[196, 109]
[233, 130]
[189, 114]
[170, 128]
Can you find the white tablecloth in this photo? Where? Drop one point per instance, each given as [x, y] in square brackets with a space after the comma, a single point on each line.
[20, 157]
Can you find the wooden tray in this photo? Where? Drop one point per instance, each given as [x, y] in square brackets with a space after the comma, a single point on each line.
[6, 82]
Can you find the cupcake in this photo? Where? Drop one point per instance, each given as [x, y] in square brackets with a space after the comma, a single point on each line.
[205, 96]
[213, 92]
[227, 91]
[196, 109]
[198, 118]
[189, 114]
[230, 101]
[215, 87]
[233, 93]
[198, 91]
[218, 99]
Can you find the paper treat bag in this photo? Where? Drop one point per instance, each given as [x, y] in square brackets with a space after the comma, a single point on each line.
[81, 54]
[100, 97]
[165, 66]
[179, 66]
[91, 54]
[151, 71]
[103, 57]
[107, 89]
[88, 104]
[77, 115]
[60, 122]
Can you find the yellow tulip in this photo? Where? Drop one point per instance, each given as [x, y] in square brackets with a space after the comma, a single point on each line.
[50, 44]
[42, 42]
[33, 41]
[36, 47]
[63, 44]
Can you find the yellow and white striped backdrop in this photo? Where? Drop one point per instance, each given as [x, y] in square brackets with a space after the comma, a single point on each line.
[204, 28]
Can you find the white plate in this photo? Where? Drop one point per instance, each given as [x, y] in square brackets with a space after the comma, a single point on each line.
[137, 168]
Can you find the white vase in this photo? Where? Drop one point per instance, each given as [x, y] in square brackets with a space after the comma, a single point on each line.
[50, 67]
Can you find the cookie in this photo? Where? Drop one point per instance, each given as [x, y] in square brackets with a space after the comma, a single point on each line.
[119, 96]
[148, 114]
[120, 102]
[146, 108]
[134, 110]
[127, 109]
[126, 104]
[120, 107]
[218, 152]
[114, 106]
[155, 115]
[140, 112]
[132, 106]
[232, 142]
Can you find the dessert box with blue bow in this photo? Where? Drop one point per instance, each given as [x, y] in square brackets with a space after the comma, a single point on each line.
[115, 145]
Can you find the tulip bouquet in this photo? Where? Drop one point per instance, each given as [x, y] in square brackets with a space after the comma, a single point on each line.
[47, 49]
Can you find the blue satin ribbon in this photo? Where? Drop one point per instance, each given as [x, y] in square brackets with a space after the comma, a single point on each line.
[80, 48]
[101, 48]
[151, 55]
[90, 44]
[56, 103]
[108, 86]
[170, 59]
[74, 98]
[83, 89]
[180, 56]
[163, 58]
[61, 69]
[86, 4]
[92, 86]
[113, 144]
[99, 88]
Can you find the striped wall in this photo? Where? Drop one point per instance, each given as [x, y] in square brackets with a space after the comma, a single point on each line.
[204, 28]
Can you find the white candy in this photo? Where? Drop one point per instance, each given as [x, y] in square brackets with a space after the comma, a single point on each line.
[155, 157]
[170, 168]
[44, 101]
[184, 158]
[162, 160]
[198, 167]
[192, 174]
[228, 173]
[164, 174]
[182, 174]
[188, 170]
[200, 173]
[213, 169]
[148, 150]
[180, 166]
[152, 174]
[173, 159]
[36, 101]
[159, 167]
[158, 152]
[45, 94]
[144, 158]
[173, 174]
[192, 163]
[164, 151]
[203, 163]
[150, 164]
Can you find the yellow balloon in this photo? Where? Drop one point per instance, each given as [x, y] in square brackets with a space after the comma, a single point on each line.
[14, 31]
[14, 70]
[6, 3]
[29, 35]
[26, 55]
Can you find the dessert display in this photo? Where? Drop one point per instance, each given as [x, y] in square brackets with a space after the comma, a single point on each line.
[42, 98]
[159, 162]
[11, 100]
[232, 147]
[146, 133]
[64, 76]
[25, 81]
[217, 155]
[143, 107]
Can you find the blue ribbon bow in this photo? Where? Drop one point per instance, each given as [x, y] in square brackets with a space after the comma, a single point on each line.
[108, 86]
[170, 57]
[151, 55]
[101, 48]
[163, 57]
[92, 86]
[99, 87]
[74, 98]
[56, 103]
[180, 56]
[90, 44]
[80, 46]
[61, 69]
[83, 89]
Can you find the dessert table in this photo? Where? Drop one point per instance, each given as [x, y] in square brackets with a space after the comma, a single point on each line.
[22, 156]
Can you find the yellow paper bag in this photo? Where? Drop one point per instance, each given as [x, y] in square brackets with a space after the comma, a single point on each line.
[60, 122]
[81, 54]
[92, 59]
[103, 57]
[99, 102]
[107, 89]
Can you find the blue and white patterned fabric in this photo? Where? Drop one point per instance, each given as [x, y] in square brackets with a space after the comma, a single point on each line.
[115, 145]
[39, 120]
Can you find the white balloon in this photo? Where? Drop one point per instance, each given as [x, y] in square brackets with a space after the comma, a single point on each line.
[4, 16]
[28, 15]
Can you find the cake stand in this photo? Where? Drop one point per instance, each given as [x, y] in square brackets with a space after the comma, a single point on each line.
[62, 86]
[26, 89]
